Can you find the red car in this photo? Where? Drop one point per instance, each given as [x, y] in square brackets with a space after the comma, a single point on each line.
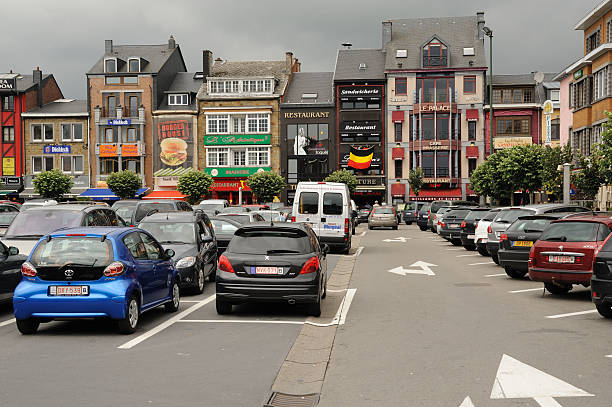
[565, 251]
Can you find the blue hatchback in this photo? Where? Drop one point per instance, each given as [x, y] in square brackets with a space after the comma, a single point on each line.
[95, 272]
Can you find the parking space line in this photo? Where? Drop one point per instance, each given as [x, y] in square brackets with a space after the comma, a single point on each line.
[468, 255]
[5, 323]
[189, 301]
[454, 249]
[496, 275]
[348, 299]
[242, 321]
[526, 290]
[571, 314]
[336, 291]
[478, 264]
[166, 324]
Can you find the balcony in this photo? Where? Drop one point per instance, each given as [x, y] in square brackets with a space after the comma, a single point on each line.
[134, 115]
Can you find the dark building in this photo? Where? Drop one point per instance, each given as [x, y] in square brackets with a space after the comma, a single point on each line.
[359, 84]
[308, 130]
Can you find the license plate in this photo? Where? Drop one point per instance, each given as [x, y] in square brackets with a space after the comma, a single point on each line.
[471, 237]
[267, 270]
[522, 243]
[68, 290]
[561, 259]
[453, 226]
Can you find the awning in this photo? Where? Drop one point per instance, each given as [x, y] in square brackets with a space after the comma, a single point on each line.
[471, 114]
[105, 194]
[397, 153]
[452, 194]
[471, 152]
[397, 116]
[165, 195]
[398, 189]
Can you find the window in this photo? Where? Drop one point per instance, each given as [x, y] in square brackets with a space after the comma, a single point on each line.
[112, 80]
[72, 164]
[435, 54]
[428, 127]
[217, 157]
[130, 80]
[132, 135]
[8, 134]
[217, 123]
[239, 158]
[435, 89]
[110, 65]
[240, 86]
[72, 132]
[239, 123]
[131, 164]
[40, 164]
[48, 133]
[258, 123]
[513, 126]
[497, 95]
[600, 84]
[110, 135]
[527, 96]
[42, 132]
[111, 106]
[332, 203]
[178, 99]
[513, 95]
[442, 126]
[400, 86]
[308, 203]
[132, 103]
[8, 103]
[609, 30]
[471, 166]
[399, 168]
[593, 41]
[442, 164]
[472, 130]
[555, 127]
[517, 96]
[398, 132]
[258, 156]
[134, 65]
[554, 95]
[108, 165]
[428, 163]
[469, 84]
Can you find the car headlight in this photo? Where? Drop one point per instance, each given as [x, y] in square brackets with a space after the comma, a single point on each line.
[186, 262]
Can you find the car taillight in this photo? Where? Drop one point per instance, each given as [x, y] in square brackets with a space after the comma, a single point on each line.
[463, 224]
[114, 269]
[531, 260]
[489, 230]
[311, 265]
[293, 219]
[28, 270]
[503, 236]
[346, 225]
[443, 224]
[225, 265]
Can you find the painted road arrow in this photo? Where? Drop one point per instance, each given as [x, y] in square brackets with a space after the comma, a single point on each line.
[516, 380]
[467, 402]
[423, 266]
[400, 239]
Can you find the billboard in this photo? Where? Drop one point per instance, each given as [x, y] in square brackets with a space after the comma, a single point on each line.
[361, 157]
[173, 145]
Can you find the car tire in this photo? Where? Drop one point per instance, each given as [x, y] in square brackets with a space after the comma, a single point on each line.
[28, 326]
[514, 273]
[370, 227]
[423, 228]
[605, 310]
[455, 242]
[314, 309]
[394, 227]
[175, 301]
[408, 223]
[128, 324]
[557, 289]
[199, 281]
[324, 289]
[495, 258]
[483, 251]
[223, 307]
[354, 226]
[470, 247]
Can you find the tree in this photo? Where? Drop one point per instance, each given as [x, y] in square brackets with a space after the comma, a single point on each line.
[589, 178]
[603, 152]
[52, 184]
[266, 185]
[552, 157]
[343, 176]
[489, 178]
[415, 178]
[194, 184]
[522, 169]
[124, 184]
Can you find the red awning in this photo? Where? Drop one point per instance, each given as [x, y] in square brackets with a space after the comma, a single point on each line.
[471, 152]
[453, 194]
[165, 195]
[398, 189]
[472, 114]
[397, 116]
[397, 153]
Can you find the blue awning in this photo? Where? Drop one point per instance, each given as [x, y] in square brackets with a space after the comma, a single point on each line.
[105, 194]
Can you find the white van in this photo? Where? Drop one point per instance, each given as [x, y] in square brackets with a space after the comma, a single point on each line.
[326, 206]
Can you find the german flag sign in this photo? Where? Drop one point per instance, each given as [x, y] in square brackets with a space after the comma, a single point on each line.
[360, 157]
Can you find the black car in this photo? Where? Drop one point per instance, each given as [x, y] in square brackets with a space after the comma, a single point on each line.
[468, 227]
[601, 280]
[192, 238]
[147, 207]
[280, 263]
[423, 217]
[125, 208]
[450, 228]
[224, 231]
[362, 215]
[10, 271]
[411, 212]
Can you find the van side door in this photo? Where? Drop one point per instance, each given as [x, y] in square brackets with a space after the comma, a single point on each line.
[307, 209]
[334, 215]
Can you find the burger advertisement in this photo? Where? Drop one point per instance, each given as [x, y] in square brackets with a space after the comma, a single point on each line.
[173, 149]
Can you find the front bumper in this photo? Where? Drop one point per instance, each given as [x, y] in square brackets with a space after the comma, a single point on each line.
[561, 276]
[187, 276]
[515, 259]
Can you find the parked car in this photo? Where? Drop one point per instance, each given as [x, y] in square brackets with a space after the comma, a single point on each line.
[433, 209]
[98, 272]
[148, 207]
[7, 214]
[10, 271]
[275, 206]
[224, 227]
[481, 233]
[280, 263]
[383, 216]
[423, 216]
[234, 209]
[439, 217]
[410, 211]
[564, 253]
[257, 207]
[192, 238]
[212, 207]
[31, 225]
[601, 281]
[363, 214]
[274, 216]
[242, 218]
[450, 227]
[34, 203]
[468, 227]
[125, 208]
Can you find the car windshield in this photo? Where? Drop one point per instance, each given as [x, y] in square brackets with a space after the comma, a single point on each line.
[7, 217]
[571, 232]
[510, 215]
[457, 214]
[268, 216]
[144, 208]
[383, 211]
[39, 222]
[81, 250]
[125, 212]
[529, 225]
[223, 227]
[171, 232]
[263, 242]
[410, 206]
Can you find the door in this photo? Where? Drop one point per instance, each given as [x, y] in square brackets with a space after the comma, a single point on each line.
[144, 267]
[207, 251]
[334, 215]
[162, 267]
[307, 209]
[10, 272]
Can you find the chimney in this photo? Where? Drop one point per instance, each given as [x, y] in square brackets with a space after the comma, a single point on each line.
[108, 46]
[386, 32]
[207, 61]
[289, 61]
[37, 79]
[481, 22]
[171, 43]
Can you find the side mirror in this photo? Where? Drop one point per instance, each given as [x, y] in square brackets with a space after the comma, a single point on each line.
[13, 251]
[325, 248]
[169, 253]
[206, 238]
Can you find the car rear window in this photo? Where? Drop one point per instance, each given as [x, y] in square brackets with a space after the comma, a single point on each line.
[171, 232]
[332, 203]
[269, 216]
[476, 215]
[238, 217]
[575, 232]
[125, 212]
[77, 250]
[210, 207]
[143, 209]
[510, 215]
[7, 217]
[457, 213]
[435, 206]
[425, 208]
[308, 203]
[383, 211]
[529, 225]
[40, 222]
[267, 241]
[490, 215]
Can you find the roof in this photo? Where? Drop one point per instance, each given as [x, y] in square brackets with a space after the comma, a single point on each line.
[456, 32]
[319, 83]
[92, 230]
[25, 82]
[184, 82]
[175, 216]
[154, 55]
[60, 107]
[592, 16]
[348, 62]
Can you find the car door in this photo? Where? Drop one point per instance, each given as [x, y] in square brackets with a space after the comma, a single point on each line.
[207, 251]
[162, 267]
[10, 272]
[144, 267]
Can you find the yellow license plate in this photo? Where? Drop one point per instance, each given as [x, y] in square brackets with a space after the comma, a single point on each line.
[523, 243]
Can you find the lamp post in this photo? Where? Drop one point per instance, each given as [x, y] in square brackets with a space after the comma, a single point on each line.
[489, 33]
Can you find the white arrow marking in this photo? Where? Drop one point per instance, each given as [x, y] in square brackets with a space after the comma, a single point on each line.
[424, 269]
[516, 380]
[467, 402]
[400, 239]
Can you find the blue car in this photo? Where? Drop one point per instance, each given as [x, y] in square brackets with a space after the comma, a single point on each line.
[95, 272]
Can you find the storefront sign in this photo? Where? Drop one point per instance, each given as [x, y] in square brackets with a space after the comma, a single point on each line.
[360, 91]
[119, 122]
[166, 181]
[56, 150]
[360, 157]
[234, 171]
[306, 115]
[174, 145]
[508, 142]
[237, 139]
[360, 127]
[230, 185]
[365, 181]
[434, 107]
[14, 181]
[548, 109]
[129, 150]
[578, 74]
[7, 84]
[108, 150]
[436, 180]
[8, 165]
[435, 145]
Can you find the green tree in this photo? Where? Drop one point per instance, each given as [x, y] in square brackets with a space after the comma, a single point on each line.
[415, 178]
[589, 178]
[52, 184]
[490, 179]
[552, 157]
[266, 185]
[194, 184]
[522, 169]
[603, 152]
[124, 184]
[343, 176]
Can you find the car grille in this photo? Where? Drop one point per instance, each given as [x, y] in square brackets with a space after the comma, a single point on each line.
[80, 273]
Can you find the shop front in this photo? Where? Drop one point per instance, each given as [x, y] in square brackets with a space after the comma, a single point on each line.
[230, 183]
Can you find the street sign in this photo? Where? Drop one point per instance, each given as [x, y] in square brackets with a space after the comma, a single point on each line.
[400, 239]
[424, 268]
[516, 380]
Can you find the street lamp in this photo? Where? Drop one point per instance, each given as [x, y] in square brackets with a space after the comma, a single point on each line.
[489, 33]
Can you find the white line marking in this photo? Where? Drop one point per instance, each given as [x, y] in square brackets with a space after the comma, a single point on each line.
[547, 402]
[496, 275]
[240, 321]
[358, 251]
[478, 264]
[454, 249]
[468, 255]
[337, 291]
[166, 324]
[5, 323]
[525, 291]
[362, 234]
[350, 293]
[609, 356]
[571, 314]
[189, 301]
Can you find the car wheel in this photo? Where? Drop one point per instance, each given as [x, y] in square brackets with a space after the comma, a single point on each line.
[455, 242]
[470, 247]
[514, 273]
[370, 227]
[28, 326]
[223, 307]
[605, 310]
[354, 226]
[394, 227]
[423, 228]
[128, 324]
[175, 302]
[557, 289]
[495, 258]
[324, 289]
[314, 310]
[483, 251]
[199, 286]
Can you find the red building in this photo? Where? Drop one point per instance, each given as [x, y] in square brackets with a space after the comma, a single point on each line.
[19, 94]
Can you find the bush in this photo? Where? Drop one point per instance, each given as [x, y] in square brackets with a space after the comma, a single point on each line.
[124, 184]
[194, 184]
[266, 185]
[343, 176]
[52, 184]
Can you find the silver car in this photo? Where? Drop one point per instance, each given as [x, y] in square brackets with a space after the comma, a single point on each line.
[382, 216]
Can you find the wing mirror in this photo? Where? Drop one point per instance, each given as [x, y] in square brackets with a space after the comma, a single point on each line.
[13, 251]
[325, 248]
[169, 253]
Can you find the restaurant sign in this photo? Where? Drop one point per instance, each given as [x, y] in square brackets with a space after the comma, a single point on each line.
[230, 185]
[173, 146]
[108, 150]
[234, 171]
[56, 149]
[434, 107]
[7, 83]
[508, 142]
[360, 91]
[237, 139]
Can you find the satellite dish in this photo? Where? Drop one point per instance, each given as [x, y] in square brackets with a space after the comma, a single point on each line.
[538, 77]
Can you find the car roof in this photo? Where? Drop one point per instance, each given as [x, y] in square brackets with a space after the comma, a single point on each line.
[93, 231]
[227, 219]
[175, 216]
[607, 220]
[66, 207]
[280, 225]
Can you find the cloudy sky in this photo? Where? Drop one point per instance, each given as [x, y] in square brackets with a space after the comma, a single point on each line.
[66, 37]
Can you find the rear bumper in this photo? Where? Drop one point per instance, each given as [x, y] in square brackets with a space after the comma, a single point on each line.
[601, 291]
[382, 222]
[465, 240]
[422, 222]
[493, 248]
[333, 241]
[561, 276]
[517, 260]
[451, 234]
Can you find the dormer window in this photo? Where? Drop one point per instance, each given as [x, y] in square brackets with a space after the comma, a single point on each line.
[238, 86]
[134, 65]
[178, 99]
[110, 65]
[435, 54]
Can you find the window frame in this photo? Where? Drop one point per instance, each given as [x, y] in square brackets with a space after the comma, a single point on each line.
[178, 99]
[217, 152]
[404, 82]
[130, 59]
[214, 121]
[109, 59]
[466, 79]
[11, 134]
[8, 103]
[44, 160]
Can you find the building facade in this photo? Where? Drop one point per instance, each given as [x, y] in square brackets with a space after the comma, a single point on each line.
[435, 69]
[308, 130]
[239, 121]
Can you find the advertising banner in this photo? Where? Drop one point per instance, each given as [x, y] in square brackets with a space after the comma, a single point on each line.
[237, 139]
[56, 149]
[360, 156]
[234, 171]
[129, 150]
[173, 145]
[108, 150]
[360, 91]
